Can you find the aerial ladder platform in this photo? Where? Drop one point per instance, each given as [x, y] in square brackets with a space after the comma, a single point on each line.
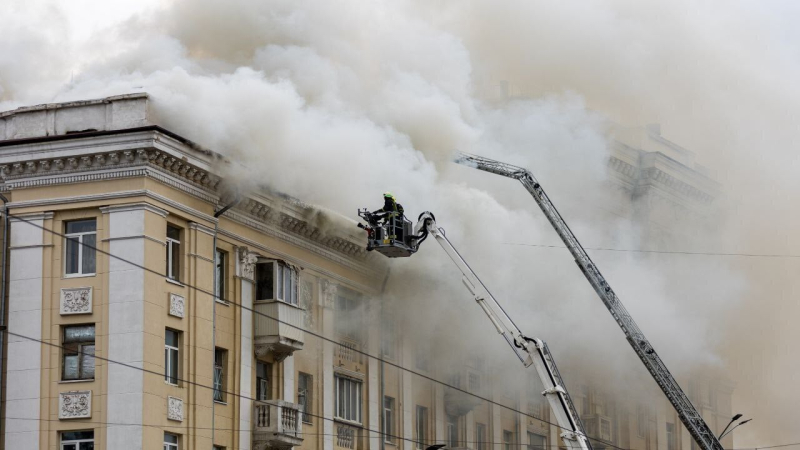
[394, 238]
[687, 413]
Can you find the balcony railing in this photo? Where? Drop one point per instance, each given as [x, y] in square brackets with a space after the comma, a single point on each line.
[345, 437]
[277, 424]
[283, 336]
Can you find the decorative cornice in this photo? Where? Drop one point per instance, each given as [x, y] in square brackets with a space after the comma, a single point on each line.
[164, 164]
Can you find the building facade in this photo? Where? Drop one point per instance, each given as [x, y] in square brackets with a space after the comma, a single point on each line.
[121, 337]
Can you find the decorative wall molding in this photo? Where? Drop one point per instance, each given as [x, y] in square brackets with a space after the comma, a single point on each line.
[177, 305]
[76, 300]
[246, 263]
[175, 409]
[328, 290]
[75, 405]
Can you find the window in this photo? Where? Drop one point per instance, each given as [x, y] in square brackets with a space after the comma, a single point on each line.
[585, 410]
[536, 442]
[605, 429]
[508, 439]
[388, 334]
[170, 441]
[422, 427]
[171, 352]
[276, 280]
[670, 436]
[348, 318]
[220, 358]
[473, 381]
[452, 431]
[263, 372]
[388, 420]
[304, 390]
[173, 253]
[78, 353]
[641, 419]
[221, 264]
[219, 447]
[79, 250]
[77, 440]
[480, 436]
[348, 399]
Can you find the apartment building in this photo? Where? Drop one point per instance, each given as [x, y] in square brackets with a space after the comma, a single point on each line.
[120, 338]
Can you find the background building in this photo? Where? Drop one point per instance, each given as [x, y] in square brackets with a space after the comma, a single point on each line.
[133, 345]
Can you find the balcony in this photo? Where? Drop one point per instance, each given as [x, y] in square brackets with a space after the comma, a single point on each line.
[276, 424]
[458, 403]
[281, 337]
[599, 426]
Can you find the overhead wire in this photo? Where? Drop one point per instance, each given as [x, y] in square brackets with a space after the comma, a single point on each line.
[282, 322]
[668, 252]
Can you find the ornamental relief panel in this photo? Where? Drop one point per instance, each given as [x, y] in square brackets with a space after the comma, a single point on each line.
[246, 264]
[75, 405]
[76, 300]
[175, 409]
[177, 305]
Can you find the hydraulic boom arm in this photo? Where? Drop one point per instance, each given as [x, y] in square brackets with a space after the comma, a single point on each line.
[530, 351]
[690, 417]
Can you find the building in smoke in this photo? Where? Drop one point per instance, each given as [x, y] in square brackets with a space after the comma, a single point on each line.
[120, 337]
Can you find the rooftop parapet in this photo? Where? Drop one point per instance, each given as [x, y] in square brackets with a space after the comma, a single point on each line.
[53, 119]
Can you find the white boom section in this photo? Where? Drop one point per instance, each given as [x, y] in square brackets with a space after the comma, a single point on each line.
[688, 414]
[529, 351]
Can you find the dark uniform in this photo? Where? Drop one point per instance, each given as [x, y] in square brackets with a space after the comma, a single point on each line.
[392, 210]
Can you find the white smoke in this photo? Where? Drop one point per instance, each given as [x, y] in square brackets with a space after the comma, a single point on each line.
[336, 102]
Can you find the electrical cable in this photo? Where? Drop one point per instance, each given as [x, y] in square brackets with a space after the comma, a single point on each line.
[357, 436]
[317, 335]
[237, 395]
[668, 252]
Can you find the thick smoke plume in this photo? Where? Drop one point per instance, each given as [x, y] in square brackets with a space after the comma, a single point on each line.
[336, 102]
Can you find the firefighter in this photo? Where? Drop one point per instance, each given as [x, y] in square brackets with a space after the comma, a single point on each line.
[391, 211]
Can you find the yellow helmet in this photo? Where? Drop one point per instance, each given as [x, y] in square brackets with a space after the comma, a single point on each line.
[388, 194]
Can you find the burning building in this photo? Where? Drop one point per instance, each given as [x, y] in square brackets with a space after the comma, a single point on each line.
[139, 316]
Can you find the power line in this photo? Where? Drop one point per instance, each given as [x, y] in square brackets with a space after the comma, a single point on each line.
[162, 427]
[318, 335]
[667, 252]
[234, 394]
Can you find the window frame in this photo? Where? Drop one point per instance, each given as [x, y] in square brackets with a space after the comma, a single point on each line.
[421, 426]
[267, 388]
[77, 442]
[388, 419]
[451, 431]
[355, 399]
[81, 354]
[172, 244]
[172, 445]
[641, 419]
[308, 395]
[221, 271]
[81, 248]
[220, 379]
[508, 439]
[280, 271]
[536, 447]
[167, 360]
[480, 436]
[670, 435]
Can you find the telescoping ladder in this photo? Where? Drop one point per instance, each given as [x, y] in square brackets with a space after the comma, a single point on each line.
[687, 413]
